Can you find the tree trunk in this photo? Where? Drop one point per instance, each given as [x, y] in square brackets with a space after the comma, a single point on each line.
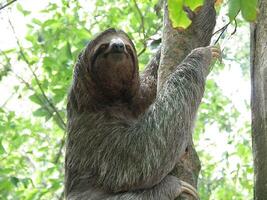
[176, 45]
[259, 101]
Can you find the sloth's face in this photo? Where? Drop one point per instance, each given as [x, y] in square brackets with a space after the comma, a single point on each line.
[114, 63]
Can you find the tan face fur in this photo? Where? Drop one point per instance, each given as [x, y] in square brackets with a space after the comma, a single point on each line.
[114, 66]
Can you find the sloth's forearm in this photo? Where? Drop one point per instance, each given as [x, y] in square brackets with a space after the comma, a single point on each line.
[148, 150]
[148, 82]
[169, 120]
[151, 69]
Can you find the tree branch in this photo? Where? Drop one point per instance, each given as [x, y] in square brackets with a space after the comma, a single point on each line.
[7, 4]
[142, 26]
[62, 143]
[224, 28]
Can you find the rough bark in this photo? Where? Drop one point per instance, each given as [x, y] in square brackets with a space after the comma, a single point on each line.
[259, 101]
[176, 45]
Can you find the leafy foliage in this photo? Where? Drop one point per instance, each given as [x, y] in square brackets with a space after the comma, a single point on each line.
[180, 19]
[39, 69]
[248, 9]
[178, 15]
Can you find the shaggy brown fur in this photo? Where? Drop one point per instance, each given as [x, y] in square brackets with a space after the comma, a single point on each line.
[122, 139]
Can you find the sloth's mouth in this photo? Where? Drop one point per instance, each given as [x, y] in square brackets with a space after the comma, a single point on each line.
[117, 55]
[116, 51]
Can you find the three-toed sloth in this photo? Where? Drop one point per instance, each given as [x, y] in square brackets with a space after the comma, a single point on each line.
[122, 136]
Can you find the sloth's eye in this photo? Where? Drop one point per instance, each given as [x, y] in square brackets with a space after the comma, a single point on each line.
[103, 46]
[128, 48]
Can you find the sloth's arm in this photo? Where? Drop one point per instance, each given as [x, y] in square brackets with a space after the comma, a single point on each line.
[139, 155]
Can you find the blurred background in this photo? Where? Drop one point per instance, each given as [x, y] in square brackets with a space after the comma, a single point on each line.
[39, 43]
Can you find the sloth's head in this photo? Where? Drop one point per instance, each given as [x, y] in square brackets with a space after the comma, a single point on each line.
[113, 59]
[112, 65]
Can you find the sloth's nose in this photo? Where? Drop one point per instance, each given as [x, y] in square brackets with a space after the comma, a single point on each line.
[117, 47]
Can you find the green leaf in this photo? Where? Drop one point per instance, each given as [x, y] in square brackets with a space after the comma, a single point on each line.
[68, 51]
[14, 180]
[37, 21]
[49, 22]
[193, 4]
[5, 185]
[26, 182]
[24, 12]
[233, 8]
[2, 149]
[7, 51]
[41, 112]
[177, 15]
[36, 99]
[249, 9]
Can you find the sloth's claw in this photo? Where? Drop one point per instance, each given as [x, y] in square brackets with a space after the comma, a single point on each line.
[188, 189]
[216, 53]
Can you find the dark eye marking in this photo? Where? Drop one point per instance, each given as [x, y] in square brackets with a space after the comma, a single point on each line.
[129, 49]
[103, 47]
[99, 51]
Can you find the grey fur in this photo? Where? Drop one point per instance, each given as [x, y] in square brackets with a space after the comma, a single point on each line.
[117, 157]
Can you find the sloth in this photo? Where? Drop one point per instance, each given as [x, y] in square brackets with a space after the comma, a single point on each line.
[122, 134]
